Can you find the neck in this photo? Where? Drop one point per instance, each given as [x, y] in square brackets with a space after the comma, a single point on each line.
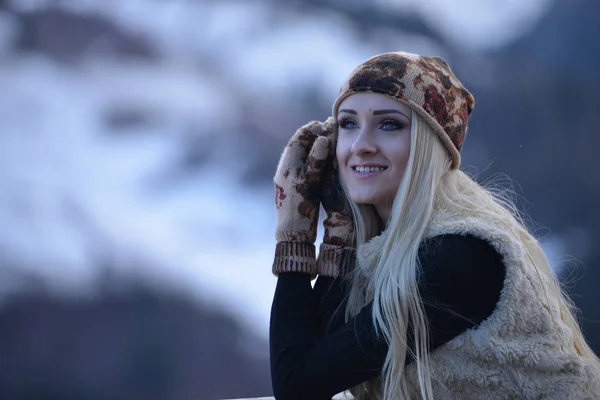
[384, 212]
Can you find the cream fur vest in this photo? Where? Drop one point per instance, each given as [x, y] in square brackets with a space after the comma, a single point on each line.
[514, 354]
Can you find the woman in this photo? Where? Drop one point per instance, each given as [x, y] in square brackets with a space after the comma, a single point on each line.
[429, 285]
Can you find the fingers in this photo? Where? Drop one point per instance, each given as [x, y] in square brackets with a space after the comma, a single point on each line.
[302, 152]
[325, 128]
[328, 126]
[294, 157]
[329, 121]
[303, 139]
[317, 159]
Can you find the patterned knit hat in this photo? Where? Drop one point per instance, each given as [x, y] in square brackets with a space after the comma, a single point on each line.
[425, 84]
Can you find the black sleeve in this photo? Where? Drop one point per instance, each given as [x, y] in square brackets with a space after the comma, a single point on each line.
[331, 297]
[306, 365]
[460, 284]
[461, 281]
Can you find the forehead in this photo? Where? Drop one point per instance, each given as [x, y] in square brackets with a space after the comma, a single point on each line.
[365, 102]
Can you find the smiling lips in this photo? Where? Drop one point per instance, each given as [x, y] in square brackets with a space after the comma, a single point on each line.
[368, 170]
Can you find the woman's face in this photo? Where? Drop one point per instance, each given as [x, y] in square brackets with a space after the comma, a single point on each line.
[373, 148]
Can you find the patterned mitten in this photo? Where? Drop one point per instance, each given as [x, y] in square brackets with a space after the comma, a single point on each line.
[338, 240]
[297, 191]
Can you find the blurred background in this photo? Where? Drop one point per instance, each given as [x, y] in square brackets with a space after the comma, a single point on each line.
[138, 140]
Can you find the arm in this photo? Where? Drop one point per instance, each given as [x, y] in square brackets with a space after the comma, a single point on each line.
[305, 364]
[462, 278]
[330, 302]
[331, 296]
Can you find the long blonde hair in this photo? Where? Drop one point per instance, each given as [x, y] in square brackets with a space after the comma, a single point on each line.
[428, 186]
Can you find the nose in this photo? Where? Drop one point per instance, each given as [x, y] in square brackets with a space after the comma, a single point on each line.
[364, 144]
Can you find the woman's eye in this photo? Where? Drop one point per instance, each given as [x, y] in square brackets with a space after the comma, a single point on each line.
[346, 124]
[391, 125]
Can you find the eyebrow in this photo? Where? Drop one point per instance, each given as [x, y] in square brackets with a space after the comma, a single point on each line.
[376, 112]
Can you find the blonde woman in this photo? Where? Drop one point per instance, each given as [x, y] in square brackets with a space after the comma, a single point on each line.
[429, 285]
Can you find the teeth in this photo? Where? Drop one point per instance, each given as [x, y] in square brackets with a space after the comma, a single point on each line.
[364, 170]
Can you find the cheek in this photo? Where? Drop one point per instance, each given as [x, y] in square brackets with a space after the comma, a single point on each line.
[401, 159]
[399, 153]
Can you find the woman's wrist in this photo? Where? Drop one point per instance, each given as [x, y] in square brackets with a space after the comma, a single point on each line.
[295, 257]
[334, 259]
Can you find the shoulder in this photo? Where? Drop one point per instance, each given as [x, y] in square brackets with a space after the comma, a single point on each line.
[457, 248]
[460, 281]
[464, 259]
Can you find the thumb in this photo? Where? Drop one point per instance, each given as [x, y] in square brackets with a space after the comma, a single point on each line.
[317, 158]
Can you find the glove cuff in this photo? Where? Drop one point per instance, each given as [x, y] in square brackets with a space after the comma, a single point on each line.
[294, 257]
[335, 259]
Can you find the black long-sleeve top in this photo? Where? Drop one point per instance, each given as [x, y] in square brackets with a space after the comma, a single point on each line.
[315, 354]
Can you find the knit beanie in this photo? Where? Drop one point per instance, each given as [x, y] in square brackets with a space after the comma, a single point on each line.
[425, 84]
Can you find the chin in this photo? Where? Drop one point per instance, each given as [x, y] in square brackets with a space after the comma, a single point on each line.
[364, 199]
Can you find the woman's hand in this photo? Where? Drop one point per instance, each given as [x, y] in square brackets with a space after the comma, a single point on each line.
[338, 238]
[297, 196]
